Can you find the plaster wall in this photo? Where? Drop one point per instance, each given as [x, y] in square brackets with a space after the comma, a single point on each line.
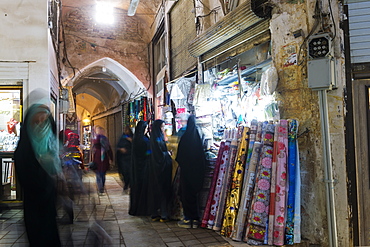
[297, 101]
[24, 37]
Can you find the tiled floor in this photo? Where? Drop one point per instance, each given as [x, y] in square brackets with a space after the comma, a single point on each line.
[103, 220]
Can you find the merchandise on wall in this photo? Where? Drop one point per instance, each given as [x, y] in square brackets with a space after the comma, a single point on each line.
[136, 110]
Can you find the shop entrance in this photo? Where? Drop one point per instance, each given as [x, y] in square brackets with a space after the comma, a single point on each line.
[361, 112]
[10, 119]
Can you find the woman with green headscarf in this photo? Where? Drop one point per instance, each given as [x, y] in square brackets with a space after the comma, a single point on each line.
[37, 166]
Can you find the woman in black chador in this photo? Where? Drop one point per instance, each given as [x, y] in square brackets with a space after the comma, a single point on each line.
[192, 162]
[139, 171]
[160, 173]
[123, 156]
[38, 166]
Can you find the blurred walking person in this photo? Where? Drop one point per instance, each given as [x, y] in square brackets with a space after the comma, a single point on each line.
[161, 173]
[37, 166]
[123, 156]
[192, 162]
[102, 156]
[140, 170]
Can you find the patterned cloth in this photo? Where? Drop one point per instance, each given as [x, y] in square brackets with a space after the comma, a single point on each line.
[226, 185]
[270, 228]
[242, 212]
[207, 209]
[232, 204]
[281, 181]
[292, 162]
[219, 182]
[256, 228]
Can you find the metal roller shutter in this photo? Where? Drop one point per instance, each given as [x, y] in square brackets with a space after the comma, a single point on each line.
[182, 31]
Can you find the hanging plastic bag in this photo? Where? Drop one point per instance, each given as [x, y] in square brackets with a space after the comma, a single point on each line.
[269, 80]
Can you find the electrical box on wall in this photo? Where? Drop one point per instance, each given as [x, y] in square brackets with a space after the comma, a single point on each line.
[321, 74]
[321, 63]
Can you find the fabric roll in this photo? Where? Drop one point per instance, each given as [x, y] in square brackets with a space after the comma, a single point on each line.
[258, 217]
[297, 202]
[226, 184]
[242, 213]
[270, 229]
[281, 182]
[292, 162]
[219, 182]
[233, 200]
[207, 208]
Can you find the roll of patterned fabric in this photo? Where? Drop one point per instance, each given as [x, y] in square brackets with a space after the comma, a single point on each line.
[242, 212]
[258, 217]
[292, 162]
[233, 200]
[207, 209]
[281, 179]
[270, 228]
[219, 182]
[226, 184]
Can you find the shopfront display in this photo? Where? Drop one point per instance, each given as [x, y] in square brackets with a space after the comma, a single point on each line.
[237, 112]
[10, 120]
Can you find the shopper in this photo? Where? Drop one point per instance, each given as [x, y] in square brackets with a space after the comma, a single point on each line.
[140, 170]
[192, 162]
[102, 156]
[123, 156]
[37, 166]
[161, 173]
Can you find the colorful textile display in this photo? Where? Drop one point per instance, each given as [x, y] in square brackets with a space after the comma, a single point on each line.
[257, 225]
[281, 181]
[297, 202]
[207, 208]
[208, 177]
[249, 199]
[219, 182]
[270, 228]
[227, 181]
[242, 212]
[232, 203]
[292, 162]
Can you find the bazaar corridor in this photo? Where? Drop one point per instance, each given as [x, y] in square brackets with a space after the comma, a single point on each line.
[110, 212]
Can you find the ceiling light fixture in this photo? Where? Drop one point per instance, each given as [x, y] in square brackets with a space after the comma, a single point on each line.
[132, 8]
[104, 12]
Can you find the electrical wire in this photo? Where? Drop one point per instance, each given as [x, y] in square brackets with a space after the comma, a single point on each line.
[317, 16]
[332, 17]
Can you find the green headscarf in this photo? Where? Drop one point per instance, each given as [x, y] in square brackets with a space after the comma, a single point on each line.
[43, 139]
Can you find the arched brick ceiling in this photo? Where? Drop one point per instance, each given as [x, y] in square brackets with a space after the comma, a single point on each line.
[146, 9]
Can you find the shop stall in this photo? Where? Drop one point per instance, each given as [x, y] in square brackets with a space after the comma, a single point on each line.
[251, 190]
[10, 120]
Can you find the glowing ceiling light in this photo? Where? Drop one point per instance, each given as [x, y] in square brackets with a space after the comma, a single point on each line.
[104, 12]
